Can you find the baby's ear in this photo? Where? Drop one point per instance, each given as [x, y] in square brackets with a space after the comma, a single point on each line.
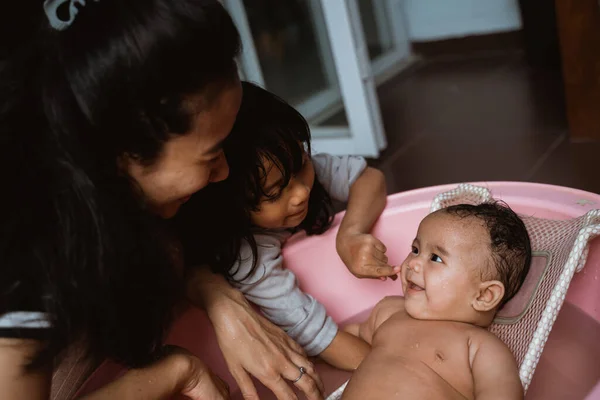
[490, 294]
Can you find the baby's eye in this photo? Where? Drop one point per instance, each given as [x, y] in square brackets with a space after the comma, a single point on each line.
[436, 258]
[415, 250]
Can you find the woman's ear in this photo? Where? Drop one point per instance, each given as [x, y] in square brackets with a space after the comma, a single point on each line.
[489, 296]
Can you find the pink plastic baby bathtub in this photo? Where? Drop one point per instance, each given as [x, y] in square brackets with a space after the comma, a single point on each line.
[570, 364]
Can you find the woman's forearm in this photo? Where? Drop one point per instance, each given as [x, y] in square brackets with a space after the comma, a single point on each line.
[204, 288]
[16, 381]
[161, 380]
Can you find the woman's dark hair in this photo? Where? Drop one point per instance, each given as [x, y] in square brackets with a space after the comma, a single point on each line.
[509, 242]
[266, 128]
[76, 241]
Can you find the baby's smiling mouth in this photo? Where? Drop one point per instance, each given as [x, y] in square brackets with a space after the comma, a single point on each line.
[413, 286]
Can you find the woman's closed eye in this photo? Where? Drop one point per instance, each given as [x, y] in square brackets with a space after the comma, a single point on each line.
[215, 158]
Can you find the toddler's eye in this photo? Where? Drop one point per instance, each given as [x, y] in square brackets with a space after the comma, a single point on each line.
[436, 258]
[273, 197]
[415, 250]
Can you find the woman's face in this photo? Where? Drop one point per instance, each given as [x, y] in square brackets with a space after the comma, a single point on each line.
[187, 163]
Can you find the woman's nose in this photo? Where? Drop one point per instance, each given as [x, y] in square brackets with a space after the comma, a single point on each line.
[220, 170]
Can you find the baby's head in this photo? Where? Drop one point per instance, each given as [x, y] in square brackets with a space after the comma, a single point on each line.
[466, 262]
[271, 168]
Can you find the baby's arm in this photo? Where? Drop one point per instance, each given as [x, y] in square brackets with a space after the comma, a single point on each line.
[495, 372]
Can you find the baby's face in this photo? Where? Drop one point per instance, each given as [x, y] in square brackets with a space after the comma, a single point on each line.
[442, 274]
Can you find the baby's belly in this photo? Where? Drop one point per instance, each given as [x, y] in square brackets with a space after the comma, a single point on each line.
[383, 376]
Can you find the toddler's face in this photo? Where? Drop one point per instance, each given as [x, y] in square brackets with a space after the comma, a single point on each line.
[442, 273]
[288, 206]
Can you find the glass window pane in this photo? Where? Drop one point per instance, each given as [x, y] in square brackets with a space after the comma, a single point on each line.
[376, 27]
[292, 45]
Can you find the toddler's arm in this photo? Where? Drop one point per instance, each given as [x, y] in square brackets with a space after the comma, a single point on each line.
[363, 254]
[382, 312]
[346, 351]
[275, 290]
[348, 179]
[495, 372]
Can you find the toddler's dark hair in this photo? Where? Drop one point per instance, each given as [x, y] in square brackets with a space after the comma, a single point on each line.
[510, 245]
[266, 128]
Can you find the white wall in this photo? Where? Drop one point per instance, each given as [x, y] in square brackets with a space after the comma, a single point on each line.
[442, 19]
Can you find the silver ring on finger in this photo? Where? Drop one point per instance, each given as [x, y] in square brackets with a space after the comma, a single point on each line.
[302, 372]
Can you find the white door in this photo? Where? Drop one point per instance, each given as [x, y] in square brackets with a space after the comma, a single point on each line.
[388, 45]
[313, 54]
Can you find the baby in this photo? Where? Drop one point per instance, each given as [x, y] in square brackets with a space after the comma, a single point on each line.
[466, 262]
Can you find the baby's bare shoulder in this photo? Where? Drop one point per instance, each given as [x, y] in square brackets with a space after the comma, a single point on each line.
[391, 302]
[388, 306]
[495, 370]
[486, 338]
[484, 344]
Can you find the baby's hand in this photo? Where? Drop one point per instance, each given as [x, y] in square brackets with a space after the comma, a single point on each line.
[364, 255]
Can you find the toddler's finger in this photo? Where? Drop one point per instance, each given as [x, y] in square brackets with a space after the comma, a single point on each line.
[379, 270]
[379, 245]
[379, 256]
[397, 270]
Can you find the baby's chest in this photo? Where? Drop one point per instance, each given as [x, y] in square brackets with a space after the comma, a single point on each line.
[441, 346]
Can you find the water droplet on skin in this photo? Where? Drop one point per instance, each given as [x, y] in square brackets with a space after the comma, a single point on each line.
[417, 345]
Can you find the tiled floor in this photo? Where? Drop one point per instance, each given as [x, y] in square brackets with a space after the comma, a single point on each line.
[457, 118]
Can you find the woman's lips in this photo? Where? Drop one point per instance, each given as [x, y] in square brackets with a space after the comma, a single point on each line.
[185, 199]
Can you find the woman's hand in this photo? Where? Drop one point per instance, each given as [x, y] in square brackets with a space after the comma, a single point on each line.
[254, 346]
[250, 344]
[364, 255]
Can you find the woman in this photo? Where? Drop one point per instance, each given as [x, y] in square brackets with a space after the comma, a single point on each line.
[112, 115]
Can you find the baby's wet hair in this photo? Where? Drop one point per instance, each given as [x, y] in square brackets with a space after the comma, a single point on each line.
[509, 242]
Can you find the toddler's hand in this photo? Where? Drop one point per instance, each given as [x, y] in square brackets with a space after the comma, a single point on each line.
[364, 255]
